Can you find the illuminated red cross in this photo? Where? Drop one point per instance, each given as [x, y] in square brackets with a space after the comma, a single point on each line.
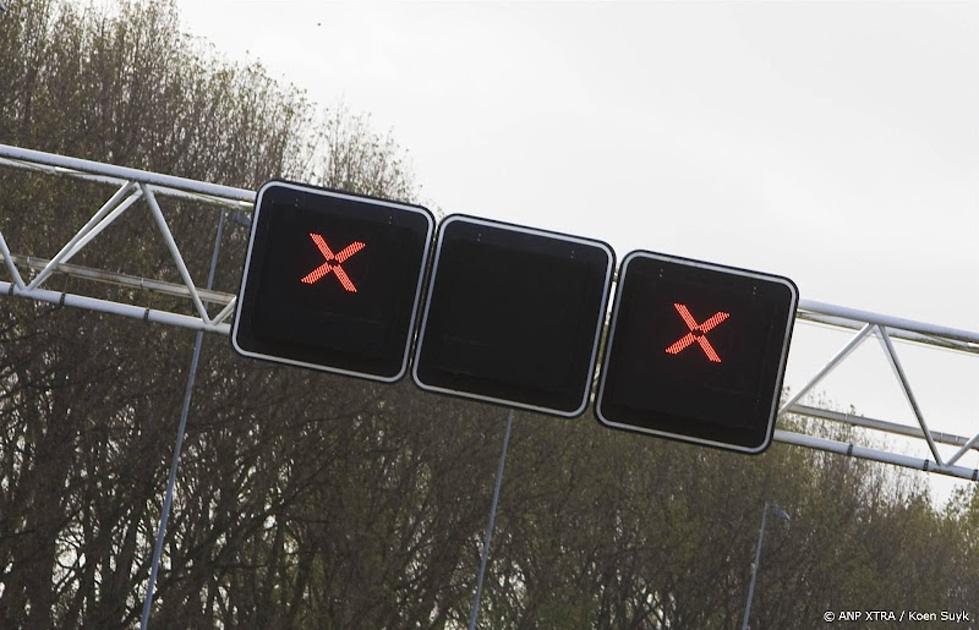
[333, 263]
[697, 332]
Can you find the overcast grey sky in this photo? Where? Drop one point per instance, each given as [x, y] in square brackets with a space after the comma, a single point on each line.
[835, 143]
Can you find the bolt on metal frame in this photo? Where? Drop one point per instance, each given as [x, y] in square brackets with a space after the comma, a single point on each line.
[134, 185]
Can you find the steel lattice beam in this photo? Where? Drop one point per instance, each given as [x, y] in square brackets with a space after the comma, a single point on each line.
[135, 186]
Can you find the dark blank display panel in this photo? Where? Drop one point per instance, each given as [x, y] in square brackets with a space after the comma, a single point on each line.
[696, 351]
[332, 281]
[513, 315]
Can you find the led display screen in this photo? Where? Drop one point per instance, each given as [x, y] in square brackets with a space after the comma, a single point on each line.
[513, 315]
[332, 281]
[696, 351]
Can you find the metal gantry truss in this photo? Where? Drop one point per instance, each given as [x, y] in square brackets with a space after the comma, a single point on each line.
[134, 185]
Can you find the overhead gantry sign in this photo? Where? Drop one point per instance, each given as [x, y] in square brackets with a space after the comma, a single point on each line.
[28, 276]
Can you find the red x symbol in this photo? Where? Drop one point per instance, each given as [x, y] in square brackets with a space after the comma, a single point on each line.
[697, 332]
[333, 262]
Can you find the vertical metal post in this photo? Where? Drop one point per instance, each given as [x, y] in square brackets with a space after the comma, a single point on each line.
[754, 568]
[178, 445]
[488, 538]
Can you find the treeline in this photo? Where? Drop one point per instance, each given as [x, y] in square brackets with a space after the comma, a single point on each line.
[311, 501]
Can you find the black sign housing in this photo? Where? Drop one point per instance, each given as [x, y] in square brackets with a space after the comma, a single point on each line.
[696, 352]
[513, 315]
[332, 281]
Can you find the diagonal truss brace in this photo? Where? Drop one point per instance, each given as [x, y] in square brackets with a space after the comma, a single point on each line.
[161, 223]
[8, 262]
[109, 212]
[133, 185]
[844, 352]
[888, 346]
